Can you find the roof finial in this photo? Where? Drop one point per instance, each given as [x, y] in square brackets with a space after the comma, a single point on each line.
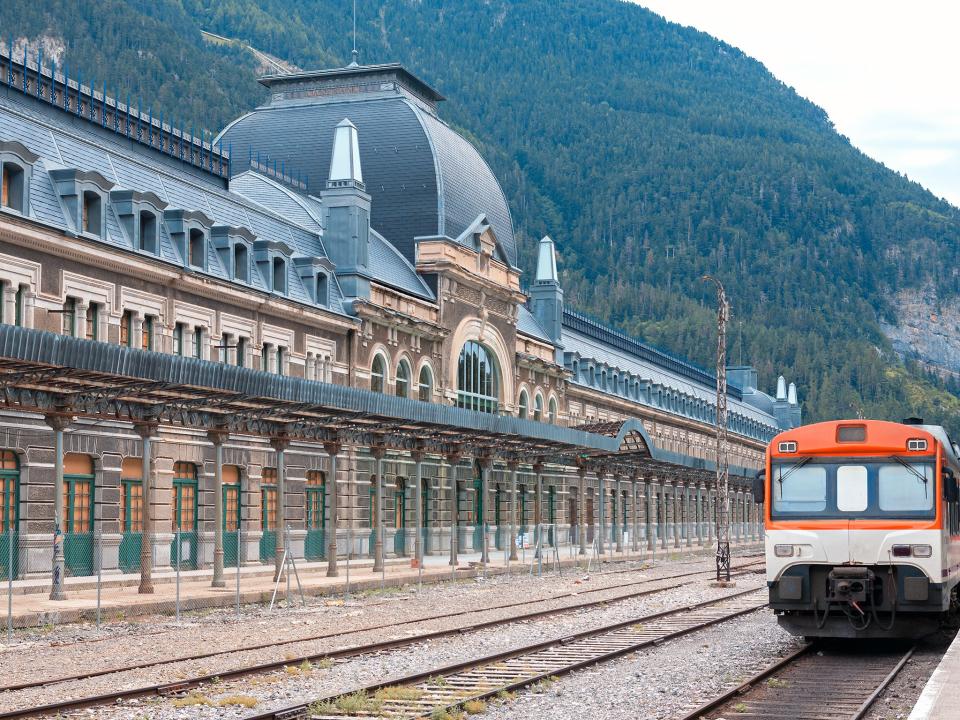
[354, 54]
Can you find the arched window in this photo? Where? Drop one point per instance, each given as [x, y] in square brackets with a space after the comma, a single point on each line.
[552, 411]
[477, 381]
[13, 187]
[538, 407]
[425, 390]
[523, 407]
[403, 379]
[378, 374]
[92, 213]
[198, 248]
[322, 293]
[148, 232]
[279, 275]
[240, 262]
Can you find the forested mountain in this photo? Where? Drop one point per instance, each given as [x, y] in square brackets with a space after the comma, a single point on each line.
[651, 153]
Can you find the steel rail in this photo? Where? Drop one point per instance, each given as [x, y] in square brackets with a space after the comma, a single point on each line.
[804, 695]
[180, 687]
[484, 677]
[386, 626]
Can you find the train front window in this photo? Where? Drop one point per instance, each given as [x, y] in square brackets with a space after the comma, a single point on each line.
[800, 489]
[854, 488]
[908, 487]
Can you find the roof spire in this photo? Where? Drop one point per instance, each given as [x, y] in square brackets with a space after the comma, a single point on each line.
[781, 389]
[546, 262]
[354, 54]
[792, 394]
[345, 158]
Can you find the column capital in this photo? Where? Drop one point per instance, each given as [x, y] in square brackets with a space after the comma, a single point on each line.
[378, 451]
[513, 465]
[582, 471]
[280, 443]
[333, 447]
[58, 422]
[538, 467]
[417, 455]
[485, 462]
[218, 436]
[146, 429]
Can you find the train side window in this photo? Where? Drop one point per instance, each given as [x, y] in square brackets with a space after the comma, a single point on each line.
[851, 488]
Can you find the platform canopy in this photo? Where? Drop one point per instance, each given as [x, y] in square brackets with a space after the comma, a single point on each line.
[56, 374]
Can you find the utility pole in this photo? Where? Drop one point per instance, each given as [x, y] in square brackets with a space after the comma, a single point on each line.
[723, 470]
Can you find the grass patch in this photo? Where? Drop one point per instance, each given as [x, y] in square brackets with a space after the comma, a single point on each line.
[323, 707]
[776, 683]
[324, 664]
[474, 707]
[240, 700]
[740, 707]
[505, 696]
[358, 702]
[453, 713]
[438, 680]
[306, 667]
[398, 692]
[193, 700]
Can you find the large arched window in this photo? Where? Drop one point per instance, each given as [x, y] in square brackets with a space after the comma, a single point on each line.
[538, 407]
[523, 407]
[378, 374]
[425, 386]
[552, 412]
[477, 382]
[403, 379]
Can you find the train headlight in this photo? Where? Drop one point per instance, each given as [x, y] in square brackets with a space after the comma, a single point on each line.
[922, 551]
[901, 550]
[783, 550]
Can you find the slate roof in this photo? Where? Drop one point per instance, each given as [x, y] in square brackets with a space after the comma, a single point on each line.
[528, 324]
[387, 266]
[423, 177]
[63, 141]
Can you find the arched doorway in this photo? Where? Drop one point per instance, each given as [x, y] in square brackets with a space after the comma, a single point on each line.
[78, 479]
[315, 499]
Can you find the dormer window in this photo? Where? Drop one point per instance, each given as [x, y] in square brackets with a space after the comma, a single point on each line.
[148, 232]
[13, 195]
[91, 213]
[197, 248]
[139, 215]
[280, 275]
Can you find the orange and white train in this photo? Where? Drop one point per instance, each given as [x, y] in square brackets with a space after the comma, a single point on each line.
[862, 522]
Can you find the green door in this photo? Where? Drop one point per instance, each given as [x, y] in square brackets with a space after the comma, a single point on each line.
[9, 513]
[78, 528]
[316, 505]
[478, 514]
[400, 522]
[231, 524]
[268, 521]
[183, 514]
[131, 523]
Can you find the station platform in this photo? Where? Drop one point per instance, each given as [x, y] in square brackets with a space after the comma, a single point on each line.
[940, 699]
[118, 595]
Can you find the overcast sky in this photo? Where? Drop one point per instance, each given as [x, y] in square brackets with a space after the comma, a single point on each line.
[886, 72]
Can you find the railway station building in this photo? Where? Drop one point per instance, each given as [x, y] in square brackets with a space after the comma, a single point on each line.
[312, 332]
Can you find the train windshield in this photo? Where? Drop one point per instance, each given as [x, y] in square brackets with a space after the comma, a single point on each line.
[862, 488]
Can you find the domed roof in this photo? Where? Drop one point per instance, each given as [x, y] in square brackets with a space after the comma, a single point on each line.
[423, 177]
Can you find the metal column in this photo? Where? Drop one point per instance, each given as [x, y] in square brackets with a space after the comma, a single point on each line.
[333, 502]
[58, 423]
[217, 437]
[538, 503]
[485, 464]
[417, 456]
[619, 514]
[146, 433]
[454, 520]
[635, 507]
[663, 526]
[582, 510]
[279, 445]
[601, 508]
[378, 453]
[513, 510]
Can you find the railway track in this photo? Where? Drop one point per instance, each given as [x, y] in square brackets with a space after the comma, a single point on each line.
[814, 683]
[46, 682]
[424, 694]
[184, 686]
